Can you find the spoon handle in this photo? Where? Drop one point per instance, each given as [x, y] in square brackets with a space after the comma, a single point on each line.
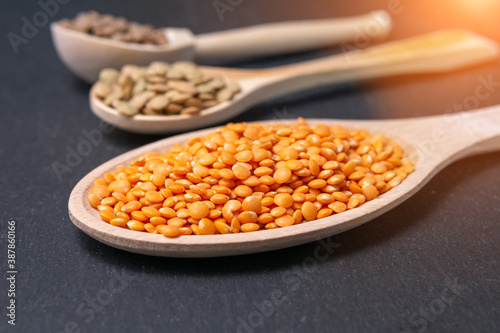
[287, 37]
[435, 52]
[455, 136]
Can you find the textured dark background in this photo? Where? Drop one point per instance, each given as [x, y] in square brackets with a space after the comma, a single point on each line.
[390, 275]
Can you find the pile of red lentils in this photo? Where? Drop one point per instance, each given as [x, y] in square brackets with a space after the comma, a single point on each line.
[249, 177]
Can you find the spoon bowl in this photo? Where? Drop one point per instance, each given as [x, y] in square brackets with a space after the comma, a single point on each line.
[430, 142]
[436, 52]
[85, 55]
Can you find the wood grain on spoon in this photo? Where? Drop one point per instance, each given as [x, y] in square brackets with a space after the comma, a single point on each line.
[436, 52]
[459, 135]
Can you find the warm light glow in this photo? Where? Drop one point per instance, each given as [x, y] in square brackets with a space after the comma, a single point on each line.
[479, 5]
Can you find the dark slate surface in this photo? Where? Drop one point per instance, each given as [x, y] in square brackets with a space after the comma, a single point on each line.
[430, 265]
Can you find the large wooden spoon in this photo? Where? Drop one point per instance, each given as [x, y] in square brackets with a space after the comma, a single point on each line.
[436, 52]
[431, 143]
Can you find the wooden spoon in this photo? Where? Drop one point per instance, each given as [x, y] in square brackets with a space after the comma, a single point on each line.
[431, 143]
[85, 55]
[436, 52]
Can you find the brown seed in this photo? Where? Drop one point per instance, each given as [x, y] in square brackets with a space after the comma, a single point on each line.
[191, 110]
[191, 101]
[158, 102]
[174, 108]
[125, 108]
[182, 86]
[224, 95]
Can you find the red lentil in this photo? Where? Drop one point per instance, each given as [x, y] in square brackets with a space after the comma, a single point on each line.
[249, 177]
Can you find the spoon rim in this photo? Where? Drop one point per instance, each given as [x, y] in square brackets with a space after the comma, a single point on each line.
[168, 47]
[259, 241]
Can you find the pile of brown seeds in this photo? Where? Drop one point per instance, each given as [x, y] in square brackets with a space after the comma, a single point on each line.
[162, 89]
[117, 28]
[250, 177]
